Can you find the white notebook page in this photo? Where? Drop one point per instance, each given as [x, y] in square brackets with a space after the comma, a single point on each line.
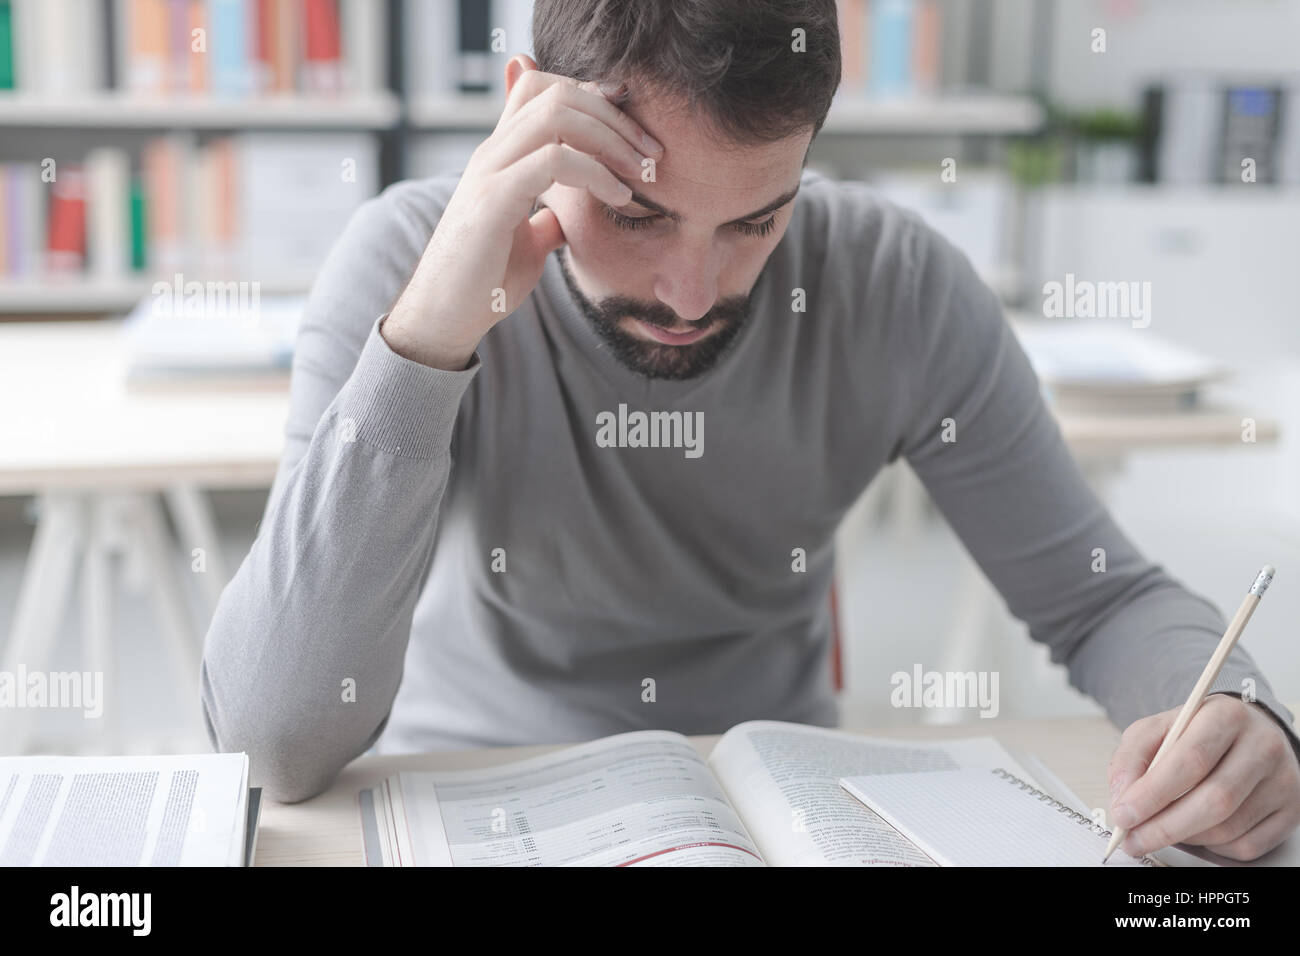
[980, 818]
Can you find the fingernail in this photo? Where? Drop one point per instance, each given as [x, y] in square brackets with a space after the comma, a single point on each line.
[651, 144]
[1124, 816]
[612, 91]
[1133, 847]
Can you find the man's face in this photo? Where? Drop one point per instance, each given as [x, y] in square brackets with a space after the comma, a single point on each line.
[665, 279]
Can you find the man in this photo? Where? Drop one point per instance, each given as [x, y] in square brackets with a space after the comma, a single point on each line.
[587, 415]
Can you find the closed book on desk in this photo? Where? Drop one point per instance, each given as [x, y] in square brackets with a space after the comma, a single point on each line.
[213, 336]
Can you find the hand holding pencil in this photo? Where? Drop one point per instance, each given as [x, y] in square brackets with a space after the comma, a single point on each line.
[1217, 772]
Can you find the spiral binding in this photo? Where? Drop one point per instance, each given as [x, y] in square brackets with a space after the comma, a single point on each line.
[1092, 825]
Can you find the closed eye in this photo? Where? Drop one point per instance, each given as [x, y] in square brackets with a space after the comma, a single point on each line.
[760, 228]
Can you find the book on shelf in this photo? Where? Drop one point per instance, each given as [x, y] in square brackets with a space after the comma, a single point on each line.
[891, 49]
[245, 205]
[458, 47]
[767, 794]
[224, 48]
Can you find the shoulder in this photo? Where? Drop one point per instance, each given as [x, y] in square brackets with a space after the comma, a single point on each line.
[882, 260]
[857, 235]
[409, 209]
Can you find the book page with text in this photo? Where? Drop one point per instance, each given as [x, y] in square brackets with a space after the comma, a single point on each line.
[643, 798]
[784, 780]
[186, 810]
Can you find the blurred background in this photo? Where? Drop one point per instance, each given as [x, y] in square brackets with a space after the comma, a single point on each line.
[1124, 173]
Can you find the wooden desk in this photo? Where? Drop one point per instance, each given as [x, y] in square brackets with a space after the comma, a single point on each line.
[326, 830]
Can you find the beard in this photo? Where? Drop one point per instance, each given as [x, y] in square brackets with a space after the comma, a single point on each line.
[656, 359]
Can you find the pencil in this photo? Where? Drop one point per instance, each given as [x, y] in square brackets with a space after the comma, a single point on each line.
[1197, 696]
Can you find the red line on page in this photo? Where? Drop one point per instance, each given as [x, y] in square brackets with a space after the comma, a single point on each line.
[687, 846]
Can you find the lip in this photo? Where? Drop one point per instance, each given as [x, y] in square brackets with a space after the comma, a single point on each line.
[671, 338]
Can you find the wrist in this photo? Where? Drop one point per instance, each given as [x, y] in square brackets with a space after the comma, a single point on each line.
[425, 349]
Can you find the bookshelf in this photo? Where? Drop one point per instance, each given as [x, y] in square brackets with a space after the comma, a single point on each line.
[385, 69]
[376, 110]
[959, 114]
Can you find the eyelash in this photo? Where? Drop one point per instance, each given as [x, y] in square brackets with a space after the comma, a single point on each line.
[640, 222]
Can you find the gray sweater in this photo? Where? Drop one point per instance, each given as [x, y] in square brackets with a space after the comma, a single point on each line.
[452, 559]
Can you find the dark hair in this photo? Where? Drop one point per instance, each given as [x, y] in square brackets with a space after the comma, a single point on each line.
[735, 58]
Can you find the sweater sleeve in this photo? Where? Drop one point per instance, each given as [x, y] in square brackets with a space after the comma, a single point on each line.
[304, 653]
[979, 435]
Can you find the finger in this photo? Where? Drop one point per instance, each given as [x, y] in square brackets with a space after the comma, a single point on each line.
[586, 97]
[1212, 802]
[1137, 746]
[560, 122]
[1189, 761]
[1262, 802]
[546, 232]
[1265, 836]
[557, 163]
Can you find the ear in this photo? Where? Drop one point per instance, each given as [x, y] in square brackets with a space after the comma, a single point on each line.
[516, 67]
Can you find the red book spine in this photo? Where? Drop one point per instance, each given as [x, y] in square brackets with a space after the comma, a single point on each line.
[264, 42]
[322, 46]
[66, 246]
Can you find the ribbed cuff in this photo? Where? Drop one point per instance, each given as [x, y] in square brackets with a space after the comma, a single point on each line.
[1264, 699]
[401, 406]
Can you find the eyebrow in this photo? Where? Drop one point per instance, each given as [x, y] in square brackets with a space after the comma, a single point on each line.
[775, 204]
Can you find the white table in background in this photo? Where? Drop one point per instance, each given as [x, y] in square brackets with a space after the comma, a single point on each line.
[102, 460]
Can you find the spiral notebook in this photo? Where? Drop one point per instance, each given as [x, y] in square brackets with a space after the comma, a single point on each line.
[977, 817]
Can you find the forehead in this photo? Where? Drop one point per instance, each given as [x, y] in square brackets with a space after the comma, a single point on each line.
[700, 168]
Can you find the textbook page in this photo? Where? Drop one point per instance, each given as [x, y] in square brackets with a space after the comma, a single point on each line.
[644, 798]
[123, 811]
[784, 780]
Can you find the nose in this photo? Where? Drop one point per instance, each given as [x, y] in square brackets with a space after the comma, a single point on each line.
[688, 282]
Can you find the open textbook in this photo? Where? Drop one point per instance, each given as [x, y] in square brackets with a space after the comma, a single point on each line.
[194, 810]
[768, 794]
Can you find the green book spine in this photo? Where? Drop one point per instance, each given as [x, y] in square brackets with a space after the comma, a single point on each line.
[6, 46]
[138, 238]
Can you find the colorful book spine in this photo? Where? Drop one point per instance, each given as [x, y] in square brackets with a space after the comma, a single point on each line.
[852, 17]
[287, 52]
[66, 249]
[230, 48]
[6, 230]
[891, 48]
[146, 45]
[926, 48]
[6, 45]
[27, 219]
[322, 68]
[177, 30]
[264, 50]
[139, 227]
[108, 226]
[197, 18]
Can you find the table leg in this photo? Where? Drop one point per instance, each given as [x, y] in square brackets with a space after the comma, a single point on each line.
[170, 599]
[42, 599]
[197, 527]
[98, 609]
